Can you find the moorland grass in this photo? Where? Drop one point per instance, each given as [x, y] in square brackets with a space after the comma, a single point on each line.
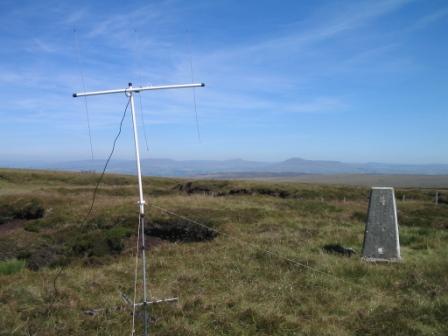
[229, 285]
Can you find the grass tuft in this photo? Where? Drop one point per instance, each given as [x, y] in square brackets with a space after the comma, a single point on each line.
[11, 266]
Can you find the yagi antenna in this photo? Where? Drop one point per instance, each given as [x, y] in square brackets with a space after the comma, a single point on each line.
[129, 92]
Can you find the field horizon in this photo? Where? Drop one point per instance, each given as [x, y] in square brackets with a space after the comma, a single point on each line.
[347, 179]
[238, 168]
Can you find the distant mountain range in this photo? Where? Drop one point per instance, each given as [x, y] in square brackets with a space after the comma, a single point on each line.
[238, 167]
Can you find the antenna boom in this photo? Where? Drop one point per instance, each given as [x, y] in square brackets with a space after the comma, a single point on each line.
[139, 89]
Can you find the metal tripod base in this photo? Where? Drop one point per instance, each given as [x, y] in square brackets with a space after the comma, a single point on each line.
[169, 300]
[153, 302]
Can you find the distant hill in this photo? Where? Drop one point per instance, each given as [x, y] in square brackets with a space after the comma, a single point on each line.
[239, 167]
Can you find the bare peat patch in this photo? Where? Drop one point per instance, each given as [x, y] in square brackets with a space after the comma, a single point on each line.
[179, 230]
[339, 249]
[21, 208]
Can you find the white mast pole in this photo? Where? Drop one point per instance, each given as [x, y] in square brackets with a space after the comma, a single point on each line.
[141, 203]
[137, 153]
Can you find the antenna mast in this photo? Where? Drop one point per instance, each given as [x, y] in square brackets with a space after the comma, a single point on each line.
[129, 92]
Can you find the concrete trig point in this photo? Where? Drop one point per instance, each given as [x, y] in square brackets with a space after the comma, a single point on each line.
[381, 237]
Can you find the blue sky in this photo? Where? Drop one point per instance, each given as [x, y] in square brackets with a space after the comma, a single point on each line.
[351, 81]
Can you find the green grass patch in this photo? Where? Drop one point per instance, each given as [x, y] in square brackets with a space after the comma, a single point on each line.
[11, 266]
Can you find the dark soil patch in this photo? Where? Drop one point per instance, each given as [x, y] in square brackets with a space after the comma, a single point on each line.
[21, 208]
[179, 230]
[12, 225]
[240, 191]
[443, 199]
[223, 190]
[193, 188]
[339, 249]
